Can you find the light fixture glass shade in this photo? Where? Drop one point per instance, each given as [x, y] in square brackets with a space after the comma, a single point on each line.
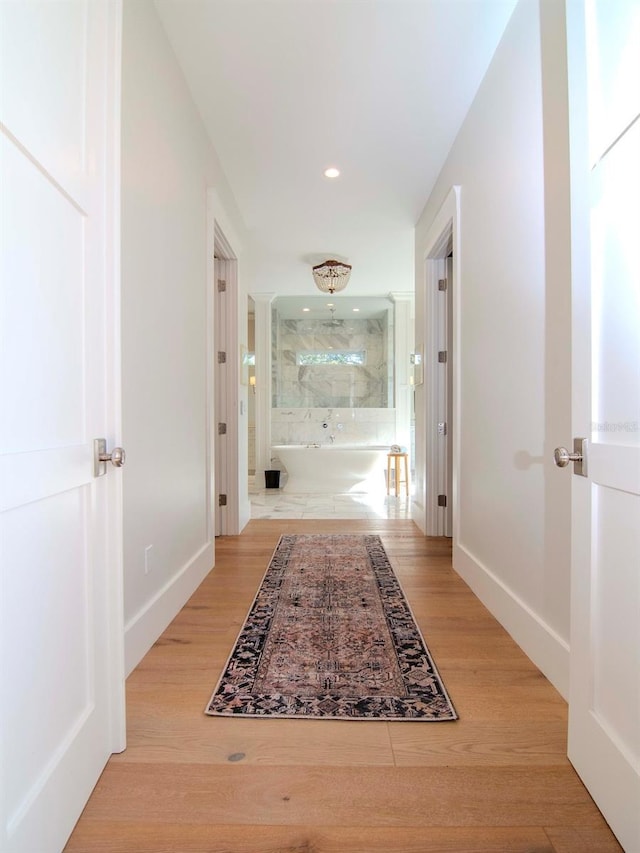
[331, 276]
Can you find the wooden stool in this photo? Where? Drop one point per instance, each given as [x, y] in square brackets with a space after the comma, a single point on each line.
[396, 471]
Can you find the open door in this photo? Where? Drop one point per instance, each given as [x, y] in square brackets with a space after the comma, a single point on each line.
[604, 705]
[62, 662]
[439, 358]
[226, 380]
[436, 484]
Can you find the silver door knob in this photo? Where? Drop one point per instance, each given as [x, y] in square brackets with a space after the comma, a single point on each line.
[562, 457]
[117, 457]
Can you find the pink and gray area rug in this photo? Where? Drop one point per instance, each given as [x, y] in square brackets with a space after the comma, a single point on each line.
[330, 635]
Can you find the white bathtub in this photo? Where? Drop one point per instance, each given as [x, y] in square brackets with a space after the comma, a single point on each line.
[333, 468]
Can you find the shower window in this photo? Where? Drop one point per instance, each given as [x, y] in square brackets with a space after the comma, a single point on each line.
[306, 359]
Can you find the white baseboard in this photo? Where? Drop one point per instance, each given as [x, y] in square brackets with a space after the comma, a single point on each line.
[245, 515]
[418, 516]
[141, 632]
[548, 651]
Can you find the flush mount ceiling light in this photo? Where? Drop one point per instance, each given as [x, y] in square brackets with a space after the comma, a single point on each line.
[332, 172]
[331, 276]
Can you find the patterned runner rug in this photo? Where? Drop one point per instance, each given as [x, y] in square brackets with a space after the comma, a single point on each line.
[330, 635]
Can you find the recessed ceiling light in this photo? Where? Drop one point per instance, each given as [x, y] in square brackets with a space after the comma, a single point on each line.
[306, 309]
[356, 309]
[331, 172]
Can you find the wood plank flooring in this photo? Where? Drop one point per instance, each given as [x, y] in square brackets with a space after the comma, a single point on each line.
[495, 781]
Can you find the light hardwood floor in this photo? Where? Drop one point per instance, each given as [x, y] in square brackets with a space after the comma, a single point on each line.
[496, 780]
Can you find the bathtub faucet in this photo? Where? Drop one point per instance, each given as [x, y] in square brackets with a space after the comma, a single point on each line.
[332, 438]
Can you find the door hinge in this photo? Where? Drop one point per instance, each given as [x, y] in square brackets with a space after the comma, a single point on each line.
[222, 429]
[442, 284]
[442, 428]
[442, 356]
[222, 285]
[222, 357]
[222, 500]
[442, 500]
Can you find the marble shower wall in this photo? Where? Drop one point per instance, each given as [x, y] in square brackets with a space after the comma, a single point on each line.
[347, 425]
[330, 385]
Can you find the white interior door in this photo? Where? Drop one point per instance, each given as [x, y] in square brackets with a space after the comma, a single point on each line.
[222, 387]
[604, 719]
[442, 360]
[439, 416]
[226, 376]
[61, 620]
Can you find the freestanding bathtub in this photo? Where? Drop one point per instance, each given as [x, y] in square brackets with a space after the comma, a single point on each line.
[332, 468]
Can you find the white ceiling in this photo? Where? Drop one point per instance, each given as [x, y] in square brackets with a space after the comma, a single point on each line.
[378, 88]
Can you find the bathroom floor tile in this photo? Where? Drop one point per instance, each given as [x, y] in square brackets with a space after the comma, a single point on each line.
[276, 503]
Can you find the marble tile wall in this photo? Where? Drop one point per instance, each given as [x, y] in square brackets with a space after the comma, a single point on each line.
[347, 425]
[338, 385]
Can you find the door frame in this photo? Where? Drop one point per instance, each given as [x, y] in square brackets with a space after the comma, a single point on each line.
[443, 236]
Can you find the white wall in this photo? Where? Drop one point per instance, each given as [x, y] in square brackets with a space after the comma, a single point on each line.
[510, 159]
[167, 166]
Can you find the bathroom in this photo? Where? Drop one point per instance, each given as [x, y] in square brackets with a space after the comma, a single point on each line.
[340, 378]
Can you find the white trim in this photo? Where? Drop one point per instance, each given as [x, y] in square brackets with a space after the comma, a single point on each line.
[231, 243]
[143, 629]
[548, 651]
[403, 346]
[113, 273]
[222, 244]
[262, 334]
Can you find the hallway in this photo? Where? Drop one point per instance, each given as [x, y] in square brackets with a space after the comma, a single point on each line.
[496, 780]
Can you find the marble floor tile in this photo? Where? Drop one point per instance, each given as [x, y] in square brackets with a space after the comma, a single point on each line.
[274, 503]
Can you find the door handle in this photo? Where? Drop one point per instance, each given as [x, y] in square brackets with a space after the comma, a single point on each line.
[117, 457]
[562, 457]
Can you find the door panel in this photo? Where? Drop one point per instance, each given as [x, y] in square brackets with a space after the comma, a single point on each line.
[46, 381]
[43, 46]
[616, 537]
[613, 70]
[61, 640]
[616, 292]
[54, 640]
